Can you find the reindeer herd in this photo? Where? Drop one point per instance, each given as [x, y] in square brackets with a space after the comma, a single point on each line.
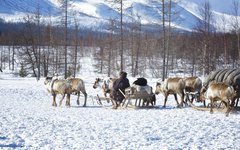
[221, 85]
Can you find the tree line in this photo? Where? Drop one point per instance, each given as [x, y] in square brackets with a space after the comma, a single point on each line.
[45, 49]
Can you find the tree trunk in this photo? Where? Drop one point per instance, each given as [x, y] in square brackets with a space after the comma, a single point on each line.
[163, 41]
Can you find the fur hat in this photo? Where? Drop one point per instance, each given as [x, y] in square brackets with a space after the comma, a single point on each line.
[123, 74]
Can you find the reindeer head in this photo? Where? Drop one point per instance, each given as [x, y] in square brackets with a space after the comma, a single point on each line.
[47, 80]
[202, 96]
[158, 88]
[97, 83]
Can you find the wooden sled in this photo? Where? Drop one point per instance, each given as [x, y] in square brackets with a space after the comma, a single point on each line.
[218, 108]
[131, 101]
[137, 100]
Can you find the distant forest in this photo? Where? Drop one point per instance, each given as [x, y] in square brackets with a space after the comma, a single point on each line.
[42, 50]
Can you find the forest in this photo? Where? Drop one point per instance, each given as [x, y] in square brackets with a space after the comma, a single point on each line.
[37, 48]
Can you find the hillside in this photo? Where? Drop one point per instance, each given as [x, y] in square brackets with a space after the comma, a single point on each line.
[95, 13]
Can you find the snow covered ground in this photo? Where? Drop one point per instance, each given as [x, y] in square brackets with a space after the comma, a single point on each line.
[28, 121]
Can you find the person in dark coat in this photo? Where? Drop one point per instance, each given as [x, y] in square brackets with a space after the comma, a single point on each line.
[120, 84]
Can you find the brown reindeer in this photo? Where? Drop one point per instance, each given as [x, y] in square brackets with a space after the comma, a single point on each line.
[193, 86]
[172, 86]
[219, 91]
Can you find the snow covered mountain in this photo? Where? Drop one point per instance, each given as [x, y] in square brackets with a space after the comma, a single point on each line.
[95, 13]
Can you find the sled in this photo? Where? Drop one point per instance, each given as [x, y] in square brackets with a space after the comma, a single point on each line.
[218, 107]
[137, 100]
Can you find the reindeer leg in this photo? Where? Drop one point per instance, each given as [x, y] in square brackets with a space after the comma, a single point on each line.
[186, 98]
[68, 100]
[60, 103]
[165, 101]
[204, 103]
[198, 96]
[193, 96]
[227, 106]
[85, 101]
[78, 94]
[211, 108]
[147, 102]
[144, 102]
[182, 100]
[105, 95]
[54, 100]
[175, 96]
[153, 100]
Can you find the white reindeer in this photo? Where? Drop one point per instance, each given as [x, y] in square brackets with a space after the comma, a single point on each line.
[55, 86]
[61, 86]
[77, 86]
[105, 84]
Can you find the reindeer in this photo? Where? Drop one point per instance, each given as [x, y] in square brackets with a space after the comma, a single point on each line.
[77, 86]
[172, 86]
[140, 93]
[55, 86]
[68, 86]
[105, 84]
[193, 86]
[220, 91]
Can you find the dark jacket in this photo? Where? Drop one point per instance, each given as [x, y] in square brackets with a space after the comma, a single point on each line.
[122, 83]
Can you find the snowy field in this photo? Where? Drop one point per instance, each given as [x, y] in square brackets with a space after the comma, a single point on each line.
[28, 121]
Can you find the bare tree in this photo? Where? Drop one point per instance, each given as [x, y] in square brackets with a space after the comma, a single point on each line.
[135, 43]
[48, 53]
[76, 43]
[164, 39]
[167, 16]
[236, 25]
[29, 51]
[119, 5]
[65, 4]
[110, 47]
[38, 17]
[223, 28]
[206, 29]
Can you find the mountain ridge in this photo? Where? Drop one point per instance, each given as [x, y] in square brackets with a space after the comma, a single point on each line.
[94, 13]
